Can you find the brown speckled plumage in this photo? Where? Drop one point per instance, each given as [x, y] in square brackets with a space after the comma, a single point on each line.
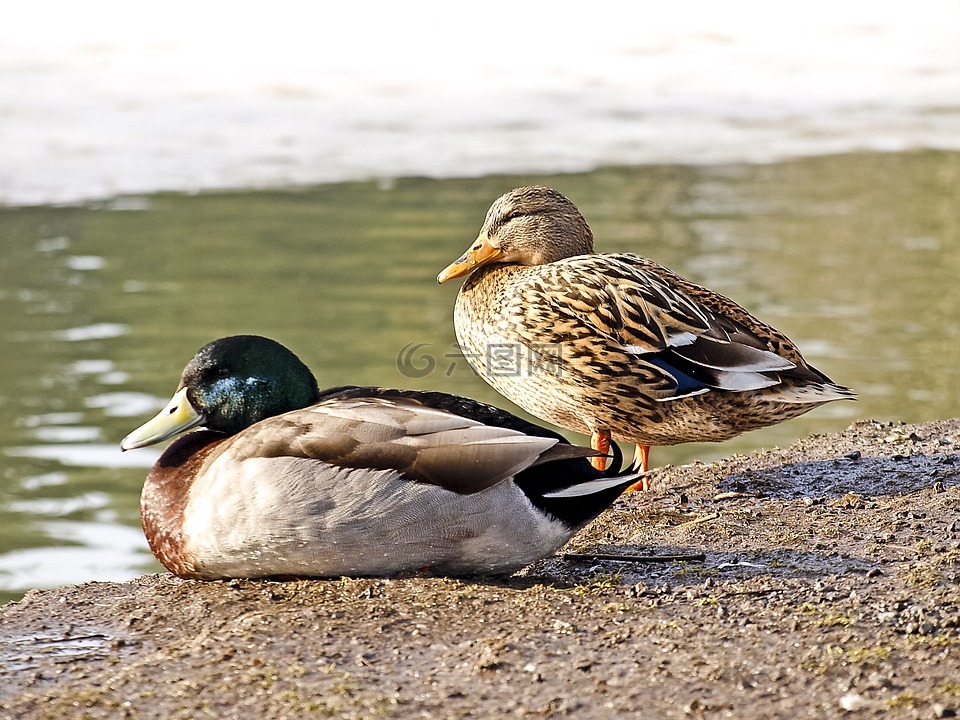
[615, 342]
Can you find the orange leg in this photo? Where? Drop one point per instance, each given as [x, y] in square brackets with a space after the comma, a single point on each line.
[641, 462]
[641, 458]
[600, 441]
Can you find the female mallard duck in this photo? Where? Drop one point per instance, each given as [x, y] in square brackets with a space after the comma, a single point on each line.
[616, 346]
[288, 480]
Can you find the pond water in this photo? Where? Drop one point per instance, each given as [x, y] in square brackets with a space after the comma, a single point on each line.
[856, 257]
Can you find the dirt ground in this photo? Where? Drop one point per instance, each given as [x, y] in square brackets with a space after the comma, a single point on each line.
[828, 585]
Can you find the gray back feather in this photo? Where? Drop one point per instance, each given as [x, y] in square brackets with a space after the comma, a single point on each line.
[422, 443]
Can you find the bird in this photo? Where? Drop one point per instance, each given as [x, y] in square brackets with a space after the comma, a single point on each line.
[614, 345]
[277, 478]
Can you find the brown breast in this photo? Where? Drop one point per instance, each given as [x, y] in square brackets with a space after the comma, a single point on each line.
[164, 498]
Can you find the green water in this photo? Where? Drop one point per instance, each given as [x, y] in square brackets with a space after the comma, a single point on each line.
[856, 257]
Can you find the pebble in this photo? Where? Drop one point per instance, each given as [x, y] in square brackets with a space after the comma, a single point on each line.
[852, 701]
[898, 436]
[694, 708]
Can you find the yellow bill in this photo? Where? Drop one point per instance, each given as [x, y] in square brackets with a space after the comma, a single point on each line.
[177, 417]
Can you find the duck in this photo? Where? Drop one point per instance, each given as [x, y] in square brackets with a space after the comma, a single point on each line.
[616, 346]
[271, 477]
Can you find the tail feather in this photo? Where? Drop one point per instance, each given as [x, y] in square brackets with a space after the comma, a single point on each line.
[590, 487]
[818, 393]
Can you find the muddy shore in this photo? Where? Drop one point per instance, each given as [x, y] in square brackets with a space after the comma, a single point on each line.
[821, 580]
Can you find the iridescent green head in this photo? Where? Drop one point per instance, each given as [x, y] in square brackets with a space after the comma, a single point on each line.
[229, 385]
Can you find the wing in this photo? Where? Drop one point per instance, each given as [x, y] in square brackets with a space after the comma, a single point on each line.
[453, 404]
[699, 340]
[424, 444]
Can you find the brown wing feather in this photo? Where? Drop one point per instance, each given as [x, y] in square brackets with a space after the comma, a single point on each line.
[633, 301]
[731, 319]
[686, 338]
[645, 308]
[424, 444]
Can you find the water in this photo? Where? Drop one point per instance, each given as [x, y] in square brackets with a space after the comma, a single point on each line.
[855, 256]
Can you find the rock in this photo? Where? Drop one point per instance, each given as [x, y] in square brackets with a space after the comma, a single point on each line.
[851, 702]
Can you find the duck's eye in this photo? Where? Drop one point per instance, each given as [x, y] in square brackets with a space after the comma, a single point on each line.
[223, 372]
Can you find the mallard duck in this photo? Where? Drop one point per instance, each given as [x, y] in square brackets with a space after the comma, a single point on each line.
[616, 346]
[286, 480]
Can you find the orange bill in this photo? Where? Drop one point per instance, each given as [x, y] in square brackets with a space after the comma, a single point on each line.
[480, 253]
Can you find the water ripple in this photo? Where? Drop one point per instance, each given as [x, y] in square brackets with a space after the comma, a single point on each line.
[87, 455]
[97, 331]
[125, 404]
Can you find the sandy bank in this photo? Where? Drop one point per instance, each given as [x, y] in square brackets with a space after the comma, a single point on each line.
[831, 583]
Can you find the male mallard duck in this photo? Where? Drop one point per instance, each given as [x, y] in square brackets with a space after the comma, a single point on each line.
[288, 480]
[617, 346]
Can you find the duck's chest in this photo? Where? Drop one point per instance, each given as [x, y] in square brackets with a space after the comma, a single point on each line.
[166, 496]
[524, 345]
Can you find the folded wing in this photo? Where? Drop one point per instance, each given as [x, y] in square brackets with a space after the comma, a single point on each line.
[422, 443]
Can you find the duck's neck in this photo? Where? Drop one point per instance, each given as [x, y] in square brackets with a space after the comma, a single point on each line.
[494, 277]
[164, 498]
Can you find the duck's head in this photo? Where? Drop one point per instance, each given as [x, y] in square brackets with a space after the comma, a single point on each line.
[229, 385]
[531, 225]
